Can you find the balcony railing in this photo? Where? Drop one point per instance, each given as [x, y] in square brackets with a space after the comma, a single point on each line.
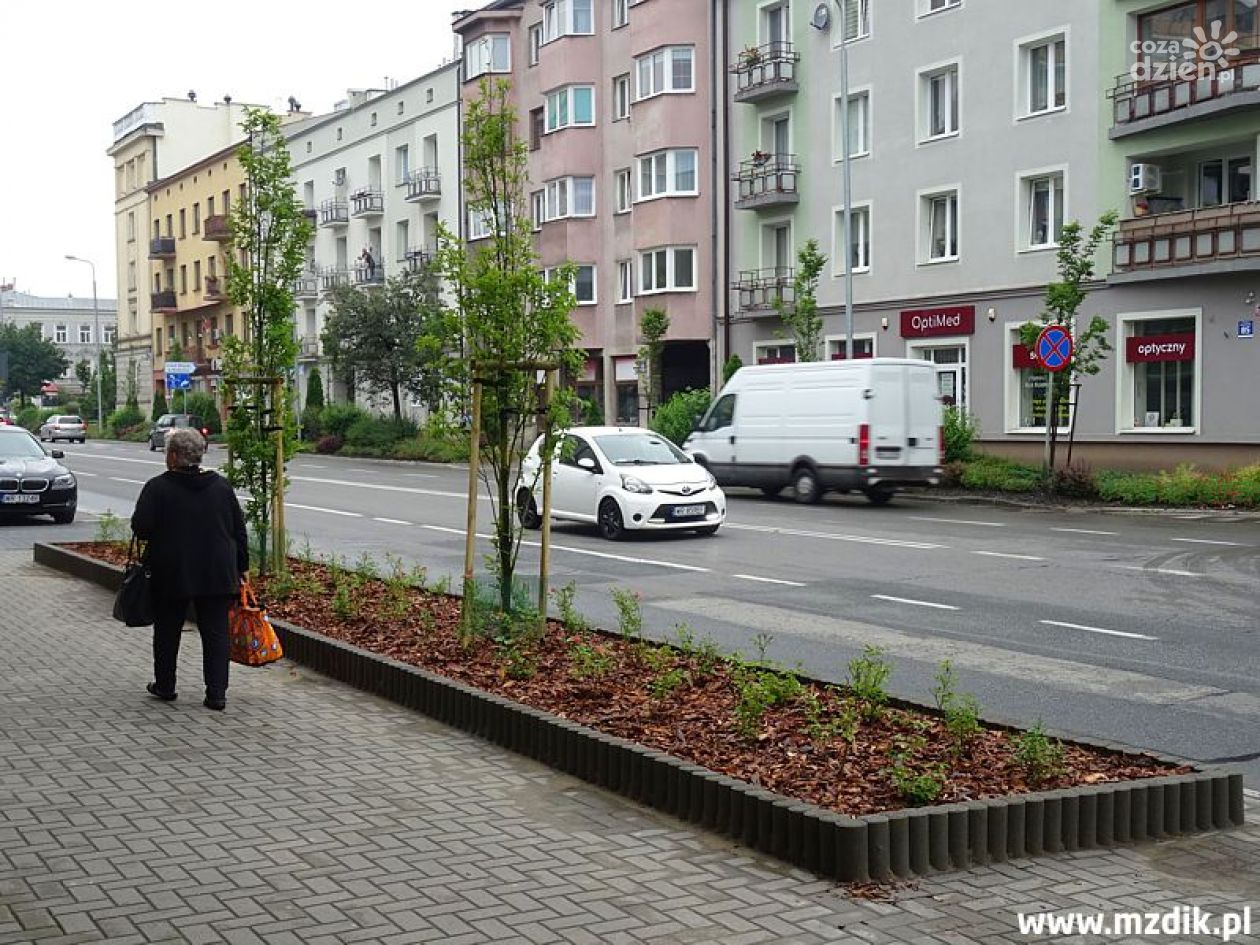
[217, 228]
[760, 290]
[306, 286]
[419, 258]
[764, 72]
[369, 275]
[214, 289]
[162, 247]
[1191, 91]
[424, 184]
[334, 213]
[163, 301]
[332, 277]
[308, 349]
[767, 180]
[1188, 238]
[368, 202]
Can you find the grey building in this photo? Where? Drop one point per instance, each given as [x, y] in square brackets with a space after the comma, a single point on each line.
[70, 323]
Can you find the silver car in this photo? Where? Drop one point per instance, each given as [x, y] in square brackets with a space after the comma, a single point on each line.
[63, 427]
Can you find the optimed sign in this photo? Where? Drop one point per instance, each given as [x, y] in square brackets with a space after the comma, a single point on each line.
[930, 322]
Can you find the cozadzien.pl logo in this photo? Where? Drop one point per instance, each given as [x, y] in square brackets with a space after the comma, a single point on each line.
[1204, 54]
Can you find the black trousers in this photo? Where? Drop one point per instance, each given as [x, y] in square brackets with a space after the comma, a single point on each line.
[168, 625]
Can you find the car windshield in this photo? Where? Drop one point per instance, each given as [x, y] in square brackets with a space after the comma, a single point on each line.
[640, 449]
[19, 446]
[71, 419]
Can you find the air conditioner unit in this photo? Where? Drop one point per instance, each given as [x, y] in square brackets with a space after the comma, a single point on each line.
[1144, 179]
[339, 177]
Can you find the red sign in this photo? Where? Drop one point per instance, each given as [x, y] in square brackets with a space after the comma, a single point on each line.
[857, 355]
[929, 322]
[1159, 348]
[1022, 359]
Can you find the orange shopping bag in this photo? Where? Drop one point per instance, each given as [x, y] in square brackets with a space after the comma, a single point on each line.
[252, 641]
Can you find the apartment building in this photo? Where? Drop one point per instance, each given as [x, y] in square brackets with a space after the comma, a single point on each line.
[189, 239]
[149, 142]
[69, 323]
[616, 100]
[375, 175]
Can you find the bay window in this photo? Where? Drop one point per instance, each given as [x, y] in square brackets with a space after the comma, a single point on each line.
[489, 53]
[667, 269]
[571, 106]
[668, 174]
[569, 197]
[567, 18]
[667, 70]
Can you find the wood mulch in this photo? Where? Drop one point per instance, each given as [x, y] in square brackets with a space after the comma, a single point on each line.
[694, 719]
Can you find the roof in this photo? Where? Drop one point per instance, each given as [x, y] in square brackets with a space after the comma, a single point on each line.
[13, 301]
[496, 6]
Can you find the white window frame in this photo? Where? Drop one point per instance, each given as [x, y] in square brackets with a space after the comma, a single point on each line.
[858, 336]
[859, 208]
[479, 55]
[61, 335]
[625, 281]
[666, 54]
[670, 157]
[1024, 181]
[623, 190]
[534, 38]
[479, 227]
[924, 224]
[924, 78]
[777, 344]
[862, 18]
[857, 94]
[646, 268]
[559, 17]
[560, 198]
[620, 13]
[108, 333]
[566, 94]
[933, 7]
[549, 273]
[1013, 387]
[1023, 72]
[1125, 382]
[915, 347]
[85, 334]
[537, 209]
[621, 97]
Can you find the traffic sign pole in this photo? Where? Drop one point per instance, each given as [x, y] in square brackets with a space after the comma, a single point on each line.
[1054, 350]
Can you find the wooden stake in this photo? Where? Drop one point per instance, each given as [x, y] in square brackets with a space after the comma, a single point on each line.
[278, 542]
[470, 537]
[544, 551]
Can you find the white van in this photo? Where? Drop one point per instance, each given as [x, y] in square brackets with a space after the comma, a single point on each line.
[868, 425]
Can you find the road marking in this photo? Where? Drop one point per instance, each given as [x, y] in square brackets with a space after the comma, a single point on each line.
[312, 466]
[373, 485]
[766, 580]
[421, 475]
[831, 536]
[958, 521]
[1110, 633]
[916, 603]
[134, 482]
[87, 474]
[1208, 541]
[1172, 571]
[449, 531]
[316, 508]
[391, 521]
[1083, 531]
[121, 459]
[1002, 554]
[627, 558]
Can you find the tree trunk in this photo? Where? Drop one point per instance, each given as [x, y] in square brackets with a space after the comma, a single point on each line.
[393, 389]
[503, 527]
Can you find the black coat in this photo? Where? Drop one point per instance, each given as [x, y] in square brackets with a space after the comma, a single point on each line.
[196, 533]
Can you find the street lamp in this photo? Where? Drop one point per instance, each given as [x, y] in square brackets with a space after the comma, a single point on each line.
[848, 179]
[96, 317]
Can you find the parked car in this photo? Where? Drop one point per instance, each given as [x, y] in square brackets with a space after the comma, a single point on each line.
[63, 427]
[33, 482]
[622, 479]
[173, 421]
[868, 425]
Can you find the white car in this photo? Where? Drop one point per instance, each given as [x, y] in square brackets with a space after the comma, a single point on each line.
[622, 479]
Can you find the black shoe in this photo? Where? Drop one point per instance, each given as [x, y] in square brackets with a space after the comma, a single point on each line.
[218, 705]
[164, 696]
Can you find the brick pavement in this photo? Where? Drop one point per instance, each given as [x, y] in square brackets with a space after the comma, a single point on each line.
[311, 813]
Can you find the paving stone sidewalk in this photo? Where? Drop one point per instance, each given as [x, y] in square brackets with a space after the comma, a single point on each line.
[311, 813]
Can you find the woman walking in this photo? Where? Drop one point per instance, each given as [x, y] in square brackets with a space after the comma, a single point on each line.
[197, 553]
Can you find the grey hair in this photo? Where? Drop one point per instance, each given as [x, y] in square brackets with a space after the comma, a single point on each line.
[186, 447]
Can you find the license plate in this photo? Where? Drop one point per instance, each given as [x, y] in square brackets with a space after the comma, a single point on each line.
[13, 499]
[688, 511]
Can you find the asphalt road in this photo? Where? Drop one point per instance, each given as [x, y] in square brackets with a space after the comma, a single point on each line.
[1143, 629]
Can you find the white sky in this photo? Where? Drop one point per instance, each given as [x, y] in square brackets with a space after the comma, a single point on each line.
[69, 69]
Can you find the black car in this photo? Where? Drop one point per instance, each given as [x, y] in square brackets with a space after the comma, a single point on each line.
[32, 482]
[169, 422]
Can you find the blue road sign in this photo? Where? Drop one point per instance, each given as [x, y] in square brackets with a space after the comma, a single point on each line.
[178, 382]
[1247, 329]
[1054, 348]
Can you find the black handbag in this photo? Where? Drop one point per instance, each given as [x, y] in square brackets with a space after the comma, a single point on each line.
[133, 604]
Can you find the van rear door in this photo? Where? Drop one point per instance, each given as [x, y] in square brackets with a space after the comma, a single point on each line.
[924, 409]
[889, 417]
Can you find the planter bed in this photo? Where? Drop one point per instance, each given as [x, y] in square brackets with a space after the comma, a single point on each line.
[660, 725]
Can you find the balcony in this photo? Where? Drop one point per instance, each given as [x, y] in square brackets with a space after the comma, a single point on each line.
[760, 290]
[162, 247]
[366, 276]
[214, 289]
[163, 301]
[308, 349]
[419, 258]
[332, 277]
[368, 202]
[334, 213]
[1187, 242]
[1194, 92]
[766, 181]
[306, 286]
[217, 228]
[424, 184]
[765, 72]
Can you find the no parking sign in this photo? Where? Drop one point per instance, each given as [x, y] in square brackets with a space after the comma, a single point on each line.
[1054, 348]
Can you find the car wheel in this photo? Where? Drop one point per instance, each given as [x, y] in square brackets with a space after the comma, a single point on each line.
[64, 517]
[708, 530]
[805, 486]
[611, 524]
[771, 492]
[527, 510]
[152, 448]
[879, 495]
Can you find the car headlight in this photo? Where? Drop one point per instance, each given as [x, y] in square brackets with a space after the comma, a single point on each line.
[712, 481]
[64, 482]
[634, 484]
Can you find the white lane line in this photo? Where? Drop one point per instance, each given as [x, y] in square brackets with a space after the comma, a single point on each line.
[1250, 793]
[1172, 571]
[450, 531]
[958, 521]
[312, 466]
[766, 580]
[88, 475]
[627, 558]
[316, 508]
[384, 488]
[831, 536]
[1208, 541]
[421, 475]
[1002, 554]
[134, 482]
[1083, 531]
[1110, 633]
[916, 603]
[121, 459]
[391, 521]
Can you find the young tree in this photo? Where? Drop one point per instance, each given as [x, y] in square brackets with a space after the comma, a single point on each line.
[653, 326]
[159, 404]
[269, 237]
[394, 338]
[733, 364]
[32, 359]
[314, 390]
[1076, 260]
[510, 314]
[801, 318]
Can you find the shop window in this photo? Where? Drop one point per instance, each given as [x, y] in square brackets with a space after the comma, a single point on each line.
[1161, 373]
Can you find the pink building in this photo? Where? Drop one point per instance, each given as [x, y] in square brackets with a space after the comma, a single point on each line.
[616, 100]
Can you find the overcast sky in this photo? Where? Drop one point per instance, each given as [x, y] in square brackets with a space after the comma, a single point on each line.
[69, 69]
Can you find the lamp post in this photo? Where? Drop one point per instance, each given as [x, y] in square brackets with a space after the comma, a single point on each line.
[847, 248]
[96, 317]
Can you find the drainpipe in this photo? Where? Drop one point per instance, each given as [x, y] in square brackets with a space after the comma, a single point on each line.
[723, 350]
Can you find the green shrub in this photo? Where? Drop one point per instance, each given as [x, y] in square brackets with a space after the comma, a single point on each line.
[868, 674]
[1128, 488]
[960, 433]
[676, 418]
[1247, 486]
[432, 450]
[336, 419]
[1076, 481]
[124, 420]
[1000, 475]
[31, 417]
[159, 405]
[1040, 756]
[72, 407]
[378, 433]
[329, 444]
[917, 787]
[590, 413]
[203, 407]
[733, 364]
